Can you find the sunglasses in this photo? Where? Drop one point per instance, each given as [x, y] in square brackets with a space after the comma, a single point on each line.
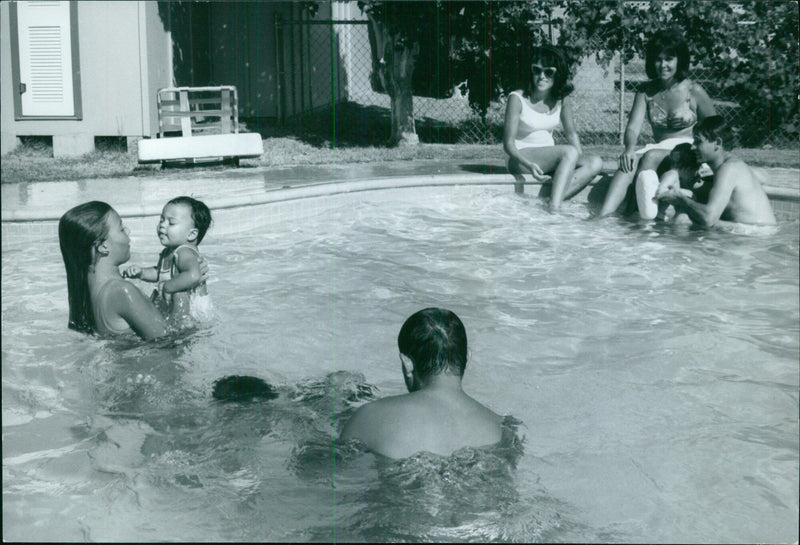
[548, 72]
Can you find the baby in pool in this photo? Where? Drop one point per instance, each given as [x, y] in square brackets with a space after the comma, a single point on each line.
[180, 288]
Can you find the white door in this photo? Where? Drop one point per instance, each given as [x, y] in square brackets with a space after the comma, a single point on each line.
[45, 58]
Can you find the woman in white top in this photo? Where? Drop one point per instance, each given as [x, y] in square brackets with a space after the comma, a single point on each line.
[531, 117]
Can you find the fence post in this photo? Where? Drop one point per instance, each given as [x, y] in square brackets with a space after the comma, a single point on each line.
[621, 99]
[278, 76]
[334, 68]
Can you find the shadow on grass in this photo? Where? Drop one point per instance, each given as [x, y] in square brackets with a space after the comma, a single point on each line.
[352, 125]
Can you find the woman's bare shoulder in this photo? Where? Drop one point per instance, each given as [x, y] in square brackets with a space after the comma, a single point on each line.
[697, 89]
[120, 290]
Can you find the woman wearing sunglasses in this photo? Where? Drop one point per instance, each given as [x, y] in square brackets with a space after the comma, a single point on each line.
[673, 104]
[531, 117]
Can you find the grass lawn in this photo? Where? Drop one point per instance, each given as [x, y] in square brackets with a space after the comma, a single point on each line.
[33, 161]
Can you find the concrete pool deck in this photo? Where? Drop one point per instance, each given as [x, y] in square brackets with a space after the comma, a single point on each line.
[144, 194]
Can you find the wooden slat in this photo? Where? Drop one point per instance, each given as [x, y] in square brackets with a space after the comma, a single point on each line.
[186, 123]
[225, 110]
[198, 113]
[183, 107]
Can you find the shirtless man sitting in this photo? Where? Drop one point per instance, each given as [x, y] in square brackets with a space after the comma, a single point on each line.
[736, 194]
[436, 415]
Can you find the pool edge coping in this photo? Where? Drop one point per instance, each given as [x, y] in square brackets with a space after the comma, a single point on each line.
[327, 188]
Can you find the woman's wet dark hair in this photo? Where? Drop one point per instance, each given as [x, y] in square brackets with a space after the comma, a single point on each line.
[242, 388]
[435, 340]
[546, 55]
[80, 229]
[670, 42]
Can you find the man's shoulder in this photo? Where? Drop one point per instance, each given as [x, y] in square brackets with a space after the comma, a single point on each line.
[399, 426]
[734, 169]
[370, 418]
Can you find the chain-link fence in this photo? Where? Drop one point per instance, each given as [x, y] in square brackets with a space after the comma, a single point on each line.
[327, 74]
[325, 78]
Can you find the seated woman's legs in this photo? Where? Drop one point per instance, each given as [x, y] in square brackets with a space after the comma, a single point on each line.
[515, 169]
[618, 189]
[559, 162]
[587, 167]
[647, 182]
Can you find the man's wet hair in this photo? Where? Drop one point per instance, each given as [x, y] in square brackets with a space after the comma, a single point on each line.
[242, 388]
[435, 340]
[715, 127]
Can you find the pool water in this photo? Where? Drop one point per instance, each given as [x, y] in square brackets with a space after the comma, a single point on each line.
[653, 370]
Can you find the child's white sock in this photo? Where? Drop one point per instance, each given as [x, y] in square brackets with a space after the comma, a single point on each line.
[646, 186]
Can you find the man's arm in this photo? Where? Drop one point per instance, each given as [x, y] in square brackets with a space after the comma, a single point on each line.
[719, 197]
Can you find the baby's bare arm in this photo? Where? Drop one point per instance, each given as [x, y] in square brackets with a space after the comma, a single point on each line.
[149, 274]
[189, 275]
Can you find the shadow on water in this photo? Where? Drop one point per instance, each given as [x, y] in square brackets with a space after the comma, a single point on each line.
[472, 495]
[146, 411]
[159, 434]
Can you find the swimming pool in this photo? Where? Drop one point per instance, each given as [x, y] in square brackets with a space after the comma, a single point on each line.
[654, 369]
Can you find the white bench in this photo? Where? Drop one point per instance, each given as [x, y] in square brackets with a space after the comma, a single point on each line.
[201, 148]
[199, 124]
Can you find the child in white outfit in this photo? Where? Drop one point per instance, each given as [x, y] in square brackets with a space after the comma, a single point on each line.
[180, 288]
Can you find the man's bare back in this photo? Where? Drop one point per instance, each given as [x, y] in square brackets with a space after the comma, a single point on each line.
[436, 415]
[439, 420]
[748, 202]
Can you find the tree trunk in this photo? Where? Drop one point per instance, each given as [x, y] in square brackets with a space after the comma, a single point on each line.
[396, 68]
[404, 131]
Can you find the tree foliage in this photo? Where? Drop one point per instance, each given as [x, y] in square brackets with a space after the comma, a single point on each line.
[744, 52]
[492, 45]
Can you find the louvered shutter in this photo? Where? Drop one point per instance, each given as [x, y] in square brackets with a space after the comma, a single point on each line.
[45, 62]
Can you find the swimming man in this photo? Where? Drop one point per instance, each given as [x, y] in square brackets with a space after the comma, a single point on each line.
[436, 415]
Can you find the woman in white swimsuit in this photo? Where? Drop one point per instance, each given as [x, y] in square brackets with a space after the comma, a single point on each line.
[672, 103]
[94, 243]
[531, 117]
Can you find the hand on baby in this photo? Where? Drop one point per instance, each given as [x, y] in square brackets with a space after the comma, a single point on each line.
[133, 271]
[671, 189]
[203, 269]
